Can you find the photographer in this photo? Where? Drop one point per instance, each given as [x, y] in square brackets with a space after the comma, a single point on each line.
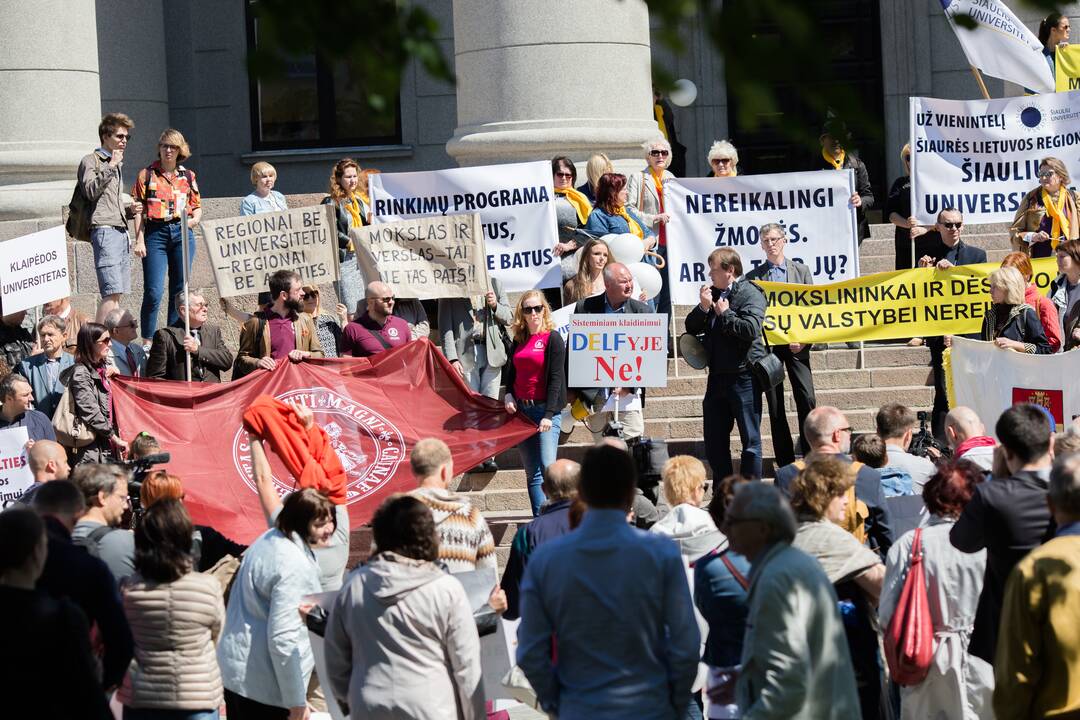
[896, 426]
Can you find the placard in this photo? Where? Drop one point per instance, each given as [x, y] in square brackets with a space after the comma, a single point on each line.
[15, 474]
[618, 350]
[245, 251]
[35, 270]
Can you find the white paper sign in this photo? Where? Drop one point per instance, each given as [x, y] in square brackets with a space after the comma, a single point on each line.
[15, 474]
[982, 156]
[707, 213]
[618, 350]
[515, 203]
[34, 269]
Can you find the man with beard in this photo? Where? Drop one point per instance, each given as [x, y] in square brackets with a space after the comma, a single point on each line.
[280, 330]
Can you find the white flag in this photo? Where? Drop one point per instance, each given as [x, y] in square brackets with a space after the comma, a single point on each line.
[1000, 44]
[990, 380]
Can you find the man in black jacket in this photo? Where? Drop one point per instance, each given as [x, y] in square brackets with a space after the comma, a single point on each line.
[209, 356]
[730, 315]
[942, 248]
[1008, 515]
[618, 288]
[73, 573]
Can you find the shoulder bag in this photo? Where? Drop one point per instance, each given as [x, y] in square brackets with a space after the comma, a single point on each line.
[71, 432]
[909, 639]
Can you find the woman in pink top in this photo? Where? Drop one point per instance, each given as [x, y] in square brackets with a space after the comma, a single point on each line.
[536, 384]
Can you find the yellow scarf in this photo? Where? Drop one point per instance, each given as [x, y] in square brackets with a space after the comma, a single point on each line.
[659, 113]
[658, 181]
[837, 164]
[354, 218]
[634, 227]
[578, 200]
[1060, 227]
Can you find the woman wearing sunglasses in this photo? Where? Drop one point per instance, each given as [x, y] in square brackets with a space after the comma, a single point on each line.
[572, 211]
[646, 194]
[327, 327]
[1047, 215]
[90, 382]
[536, 384]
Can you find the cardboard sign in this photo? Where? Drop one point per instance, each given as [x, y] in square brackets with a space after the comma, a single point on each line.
[15, 475]
[616, 350]
[34, 270]
[425, 258]
[246, 251]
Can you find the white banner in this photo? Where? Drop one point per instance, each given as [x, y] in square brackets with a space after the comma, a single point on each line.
[1000, 44]
[15, 475]
[990, 380]
[982, 156]
[617, 350]
[34, 269]
[516, 207]
[707, 213]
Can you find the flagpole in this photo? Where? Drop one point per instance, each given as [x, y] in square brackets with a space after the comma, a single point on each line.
[979, 79]
[184, 248]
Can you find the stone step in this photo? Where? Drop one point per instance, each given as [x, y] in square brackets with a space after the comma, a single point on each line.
[824, 379]
[884, 247]
[885, 230]
[875, 355]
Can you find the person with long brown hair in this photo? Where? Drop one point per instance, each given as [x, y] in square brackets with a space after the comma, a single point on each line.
[536, 382]
[589, 279]
[611, 213]
[89, 380]
[346, 198]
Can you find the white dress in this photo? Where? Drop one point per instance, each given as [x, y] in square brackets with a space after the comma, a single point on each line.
[959, 685]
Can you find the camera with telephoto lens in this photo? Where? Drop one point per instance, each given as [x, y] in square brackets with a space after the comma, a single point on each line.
[923, 440]
[139, 469]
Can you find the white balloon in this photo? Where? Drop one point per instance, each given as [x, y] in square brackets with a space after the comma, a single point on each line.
[684, 93]
[647, 278]
[626, 248]
[609, 237]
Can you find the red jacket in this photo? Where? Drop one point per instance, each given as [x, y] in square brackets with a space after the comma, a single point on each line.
[1048, 316]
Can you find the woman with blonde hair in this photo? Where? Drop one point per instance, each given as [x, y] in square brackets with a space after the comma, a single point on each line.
[158, 235]
[589, 279]
[597, 165]
[1044, 306]
[645, 192]
[1047, 215]
[345, 197]
[723, 159]
[536, 383]
[265, 198]
[1010, 323]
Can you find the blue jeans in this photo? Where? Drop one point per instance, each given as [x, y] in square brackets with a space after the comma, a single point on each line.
[164, 251]
[537, 452]
[156, 714]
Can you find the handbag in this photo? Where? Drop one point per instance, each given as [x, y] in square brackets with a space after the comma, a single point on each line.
[909, 638]
[70, 430]
[768, 370]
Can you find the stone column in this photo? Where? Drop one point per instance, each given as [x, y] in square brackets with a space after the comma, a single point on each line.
[50, 102]
[539, 78]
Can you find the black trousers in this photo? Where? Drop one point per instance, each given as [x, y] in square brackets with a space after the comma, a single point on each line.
[941, 398]
[802, 389]
[732, 399]
[238, 707]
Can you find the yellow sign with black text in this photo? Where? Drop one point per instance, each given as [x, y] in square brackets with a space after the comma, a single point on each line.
[1067, 68]
[922, 302]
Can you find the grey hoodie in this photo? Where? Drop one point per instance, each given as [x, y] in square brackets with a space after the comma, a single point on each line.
[401, 643]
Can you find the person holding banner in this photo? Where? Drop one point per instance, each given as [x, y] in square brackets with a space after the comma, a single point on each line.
[377, 329]
[209, 356]
[327, 327]
[280, 330]
[1047, 215]
[89, 380]
[646, 192]
[898, 211]
[796, 357]
[344, 196]
[536, 382]
[836, 157]
[265, 198]
[1010, 323]
[1065, 293]
[158, 241]
[723, 159]
[730, 315]
[1043, 305]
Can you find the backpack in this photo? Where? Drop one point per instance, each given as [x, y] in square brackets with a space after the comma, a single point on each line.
[92, 541]
[80, 211]
[857, 511]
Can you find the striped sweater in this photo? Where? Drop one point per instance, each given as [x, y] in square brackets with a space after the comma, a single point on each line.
[465, 542]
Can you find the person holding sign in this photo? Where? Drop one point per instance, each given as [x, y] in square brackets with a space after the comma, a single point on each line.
[1044, 306]
[536, 382]
[730, 315]
[345, 197]
[796, 357]
[836, 157]
[572, 211]
[611, 214]
[1047, 215]
[646, 192]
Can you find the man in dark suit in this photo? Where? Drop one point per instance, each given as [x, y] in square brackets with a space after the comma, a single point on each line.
[209, 356]
[616, 298]
[942, 248]
[796, 356]
[730, 315]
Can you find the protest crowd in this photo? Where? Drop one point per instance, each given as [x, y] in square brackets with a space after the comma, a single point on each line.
[909, 572]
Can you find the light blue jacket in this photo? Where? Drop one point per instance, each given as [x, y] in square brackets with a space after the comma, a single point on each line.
[253, 204]
[264, 651]
[602, 223]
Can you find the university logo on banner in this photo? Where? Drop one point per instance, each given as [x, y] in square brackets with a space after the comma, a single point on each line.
[998, 43]
[982, 157]
[516, 207]
[1052, 400]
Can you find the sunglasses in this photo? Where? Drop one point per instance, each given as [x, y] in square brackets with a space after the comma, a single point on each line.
[1046, 173]
[172, 148]
[720, 161]
[310, 296]
[952, 226]
[659, 153]
[564, 175]
[104, 341]
[530, 309]
[121, 136]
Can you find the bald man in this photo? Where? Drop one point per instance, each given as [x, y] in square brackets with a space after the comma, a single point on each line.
[377, 329]
[966, 435]
[48, 461]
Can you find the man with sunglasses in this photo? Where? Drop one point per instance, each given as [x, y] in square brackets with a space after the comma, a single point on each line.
[377, 329]
[942, 248]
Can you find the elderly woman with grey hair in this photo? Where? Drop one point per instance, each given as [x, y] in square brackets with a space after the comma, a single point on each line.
[723, 159]
[795, 662]
[645, 193]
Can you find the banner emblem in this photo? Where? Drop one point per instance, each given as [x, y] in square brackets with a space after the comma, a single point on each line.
[1052, 400]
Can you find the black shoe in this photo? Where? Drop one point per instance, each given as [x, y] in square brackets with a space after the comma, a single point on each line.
[488, 466]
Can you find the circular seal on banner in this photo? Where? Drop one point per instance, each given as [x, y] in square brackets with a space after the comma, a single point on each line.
[369, 446]
[1031, 117]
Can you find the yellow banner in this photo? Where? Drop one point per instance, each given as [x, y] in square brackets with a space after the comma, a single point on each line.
[923, 302]
[1067, 68]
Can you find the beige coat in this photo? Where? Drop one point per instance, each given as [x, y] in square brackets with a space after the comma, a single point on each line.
[1030, 215]
[175, 627]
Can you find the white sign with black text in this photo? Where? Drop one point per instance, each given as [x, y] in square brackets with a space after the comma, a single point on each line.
[35, 269]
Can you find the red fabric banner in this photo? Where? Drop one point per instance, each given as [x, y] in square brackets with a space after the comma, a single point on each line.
[374, 410]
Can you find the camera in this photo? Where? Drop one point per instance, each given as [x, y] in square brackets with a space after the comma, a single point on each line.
[139, 469]
[923, 440]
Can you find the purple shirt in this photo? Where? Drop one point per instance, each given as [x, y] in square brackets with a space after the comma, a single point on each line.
[359, 338]
[282, 335]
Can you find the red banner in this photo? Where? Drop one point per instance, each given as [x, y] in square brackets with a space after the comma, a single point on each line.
[374, 410]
